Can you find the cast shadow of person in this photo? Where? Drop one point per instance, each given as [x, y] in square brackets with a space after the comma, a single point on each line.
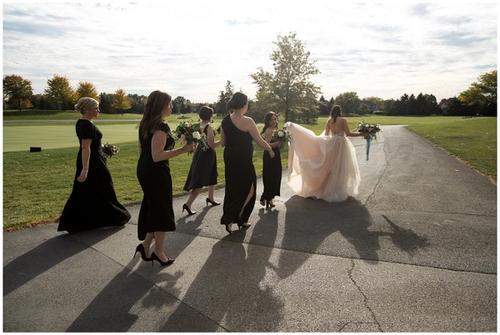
[127, 288]
[231, 288]
[47, 255]
[309, 226]
[112, 310]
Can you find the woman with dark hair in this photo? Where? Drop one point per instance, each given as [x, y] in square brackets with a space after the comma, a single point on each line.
[325, 166]
[92, 203]
[271, 169]
[203, 170]
[157, 143]
[237, 132]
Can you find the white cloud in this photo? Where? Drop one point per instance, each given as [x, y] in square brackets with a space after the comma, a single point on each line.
[191, 47]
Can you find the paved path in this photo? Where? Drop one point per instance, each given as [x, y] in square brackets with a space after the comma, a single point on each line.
[416, 251]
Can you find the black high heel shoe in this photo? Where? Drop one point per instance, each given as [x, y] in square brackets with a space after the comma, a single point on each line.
[212, 202]
[140, 249]
[154, 257]
[186, 208]
[262, 202]
[228, 228]
[244, 225]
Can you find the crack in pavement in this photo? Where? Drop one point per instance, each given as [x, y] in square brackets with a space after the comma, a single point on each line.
[365, 298]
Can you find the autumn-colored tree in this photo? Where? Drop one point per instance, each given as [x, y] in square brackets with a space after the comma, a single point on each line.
[121, 102]
[86, 89]
[60, 93]
[17, 91]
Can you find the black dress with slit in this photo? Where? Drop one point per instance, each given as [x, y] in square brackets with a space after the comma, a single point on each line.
[156, 213]
[92, 203]
[239, 173]
[203, 170]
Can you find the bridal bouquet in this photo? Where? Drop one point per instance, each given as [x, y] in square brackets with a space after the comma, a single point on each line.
[190, 132]
[281, 135]
[369, 132]
[110, 150]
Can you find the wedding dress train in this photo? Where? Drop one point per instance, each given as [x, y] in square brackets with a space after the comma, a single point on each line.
[323, 167]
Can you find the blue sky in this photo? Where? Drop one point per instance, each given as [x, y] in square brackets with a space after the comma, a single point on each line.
[191, 47]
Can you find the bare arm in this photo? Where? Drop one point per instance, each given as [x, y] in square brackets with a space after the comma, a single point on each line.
[210, 138]
[268, 136]
[85, 159]
[158, 143]
[327, 127]
[347, 131]
[254, 132]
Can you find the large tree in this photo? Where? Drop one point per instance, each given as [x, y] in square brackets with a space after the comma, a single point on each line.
[349, 101]
[60, 93]
[289, 88]
[482, 95]
[121, 102]
[224, 97]
[17, 91]
[86, 89]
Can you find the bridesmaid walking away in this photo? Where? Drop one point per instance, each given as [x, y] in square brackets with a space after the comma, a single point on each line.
[237, 133]
[157, 143]
[203, 171]
[92, 203]
[271, 170]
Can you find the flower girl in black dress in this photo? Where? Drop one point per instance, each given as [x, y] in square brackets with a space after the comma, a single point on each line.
[271, 170]
[92, 203]
[157, 146]
[237, 133]
[203, 171]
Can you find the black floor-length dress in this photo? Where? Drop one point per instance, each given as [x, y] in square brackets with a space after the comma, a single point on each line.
[271, 174]
[239, 173]
[156, 213]
[93, 203]
[203, 170]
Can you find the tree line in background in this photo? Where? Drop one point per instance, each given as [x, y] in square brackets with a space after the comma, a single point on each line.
[287, 90]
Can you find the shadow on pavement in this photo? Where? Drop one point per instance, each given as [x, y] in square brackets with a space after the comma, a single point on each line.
[229, 289]
[45, 256]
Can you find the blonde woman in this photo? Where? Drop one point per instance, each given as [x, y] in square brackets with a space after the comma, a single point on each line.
[92, 203]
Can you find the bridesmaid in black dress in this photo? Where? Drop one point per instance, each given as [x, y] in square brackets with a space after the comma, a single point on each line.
[203, 171]
[271, 170]
[92, 203]
[157, 143]
[237, 134]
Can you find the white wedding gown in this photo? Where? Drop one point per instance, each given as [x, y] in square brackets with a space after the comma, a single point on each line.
[323, 167]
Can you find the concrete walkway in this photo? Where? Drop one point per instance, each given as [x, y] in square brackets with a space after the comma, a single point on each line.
[415, 251]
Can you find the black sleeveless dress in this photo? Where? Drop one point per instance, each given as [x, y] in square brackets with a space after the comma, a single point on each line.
[239, 172]
[93, 203]
[203, 170]
[156, 213]
[271, 174]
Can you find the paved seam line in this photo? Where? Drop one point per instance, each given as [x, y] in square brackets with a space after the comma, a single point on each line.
[345, 257]
[154, 284]
[365, 298]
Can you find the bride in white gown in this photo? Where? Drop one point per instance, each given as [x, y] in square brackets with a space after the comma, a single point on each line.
[324, 166]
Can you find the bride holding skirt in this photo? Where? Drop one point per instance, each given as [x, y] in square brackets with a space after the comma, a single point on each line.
[325, 166]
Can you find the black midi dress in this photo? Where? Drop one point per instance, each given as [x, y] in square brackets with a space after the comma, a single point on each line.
[203, 170]
[156, 213]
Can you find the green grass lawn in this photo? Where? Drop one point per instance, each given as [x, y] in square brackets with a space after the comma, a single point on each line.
[36, 185]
